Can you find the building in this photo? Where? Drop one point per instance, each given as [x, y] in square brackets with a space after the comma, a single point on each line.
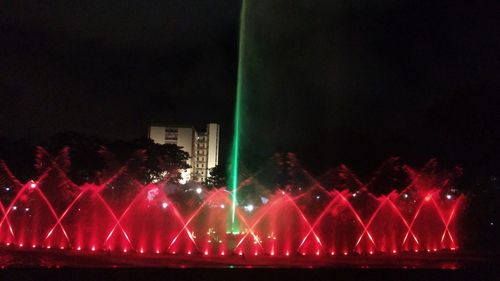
[203, 147]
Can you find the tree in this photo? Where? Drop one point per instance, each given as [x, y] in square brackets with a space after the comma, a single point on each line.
[161, 161]
[217, 177]
[18, 157]
[93, 159]
[86, 162]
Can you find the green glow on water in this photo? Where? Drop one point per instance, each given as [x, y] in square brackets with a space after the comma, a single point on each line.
[235, 153]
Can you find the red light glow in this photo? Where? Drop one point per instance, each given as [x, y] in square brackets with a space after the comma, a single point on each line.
[421, 217]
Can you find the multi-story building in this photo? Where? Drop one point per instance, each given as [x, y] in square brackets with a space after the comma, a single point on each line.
[203, 147]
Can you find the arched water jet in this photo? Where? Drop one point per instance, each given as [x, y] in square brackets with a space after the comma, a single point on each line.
[310, 220]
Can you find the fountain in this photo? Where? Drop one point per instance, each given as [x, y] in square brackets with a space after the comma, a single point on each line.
[306, 217]
[52, 212]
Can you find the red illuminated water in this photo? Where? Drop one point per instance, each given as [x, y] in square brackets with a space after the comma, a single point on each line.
[53, 213]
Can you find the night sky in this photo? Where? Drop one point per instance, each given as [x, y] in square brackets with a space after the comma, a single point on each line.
[334, 81]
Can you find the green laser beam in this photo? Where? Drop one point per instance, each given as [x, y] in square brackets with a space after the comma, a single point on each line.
[235, 153]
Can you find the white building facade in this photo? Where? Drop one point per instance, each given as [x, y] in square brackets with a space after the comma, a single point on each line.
[203, 147]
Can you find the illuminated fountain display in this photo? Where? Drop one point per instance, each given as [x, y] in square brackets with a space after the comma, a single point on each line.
[418, 215]
[344, 218]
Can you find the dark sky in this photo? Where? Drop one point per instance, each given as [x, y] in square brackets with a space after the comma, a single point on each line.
[334, 81]
[109, 67]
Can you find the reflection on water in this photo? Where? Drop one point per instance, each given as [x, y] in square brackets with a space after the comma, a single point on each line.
[449, 265]
[50, 259]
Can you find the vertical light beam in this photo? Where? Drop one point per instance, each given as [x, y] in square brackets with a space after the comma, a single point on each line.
[237, 120]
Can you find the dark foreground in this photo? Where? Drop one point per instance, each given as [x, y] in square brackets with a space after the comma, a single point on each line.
[68, 265]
